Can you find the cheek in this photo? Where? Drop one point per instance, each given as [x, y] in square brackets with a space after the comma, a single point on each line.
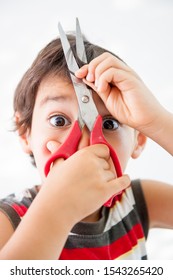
[39, 140]
[123, 143]
[124, 154]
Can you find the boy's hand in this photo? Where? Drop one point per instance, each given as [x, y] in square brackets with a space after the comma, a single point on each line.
[123, 92]
[85, 181]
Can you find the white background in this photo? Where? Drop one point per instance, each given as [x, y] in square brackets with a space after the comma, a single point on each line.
[139, 31]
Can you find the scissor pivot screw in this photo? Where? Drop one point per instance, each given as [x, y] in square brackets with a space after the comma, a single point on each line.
[85, 99]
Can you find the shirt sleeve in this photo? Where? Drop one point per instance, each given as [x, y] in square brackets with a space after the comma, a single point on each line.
[15, 206]
[141, 206]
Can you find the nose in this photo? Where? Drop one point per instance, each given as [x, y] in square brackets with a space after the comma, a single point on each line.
[85, 139]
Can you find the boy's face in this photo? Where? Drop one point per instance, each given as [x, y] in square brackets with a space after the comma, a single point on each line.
[54, 114]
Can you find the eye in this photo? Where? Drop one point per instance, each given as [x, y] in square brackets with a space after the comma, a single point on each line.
[110, 123]
[59, 121]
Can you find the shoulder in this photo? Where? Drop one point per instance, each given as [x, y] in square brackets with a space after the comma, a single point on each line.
[15, 205]
[6, 229]
[159, 200]
[12, 209]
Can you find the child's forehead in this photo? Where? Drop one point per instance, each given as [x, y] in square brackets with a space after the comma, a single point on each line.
[55, 80]
[55, 86]
[57, 89]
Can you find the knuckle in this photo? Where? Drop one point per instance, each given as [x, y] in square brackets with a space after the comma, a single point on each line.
[106, 54]
[84, 151]
[109, 59]
[98, 71]
[106, 149]
[92, 65]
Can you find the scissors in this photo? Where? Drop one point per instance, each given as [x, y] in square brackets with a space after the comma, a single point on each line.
[88, 114]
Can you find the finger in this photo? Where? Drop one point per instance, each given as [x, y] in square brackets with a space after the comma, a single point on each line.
[110, 59]
[52, 146]
[123, 80]
[113, 62]
[104, 88]
[82, 72]
[91, 85]
[103, 66]
[119, 184]
[101, 151]
[108, 175]
[104, 164]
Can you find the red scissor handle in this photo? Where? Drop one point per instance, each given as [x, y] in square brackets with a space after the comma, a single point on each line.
[68, 148]
[97, 137]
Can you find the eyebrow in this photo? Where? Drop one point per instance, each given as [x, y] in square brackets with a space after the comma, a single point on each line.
[52, 99]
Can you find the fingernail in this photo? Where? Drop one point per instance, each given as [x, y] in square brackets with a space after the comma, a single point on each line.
[79, 70]
[96, 83]
[90, 77]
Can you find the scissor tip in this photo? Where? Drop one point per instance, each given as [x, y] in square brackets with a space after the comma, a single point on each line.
[59, 25]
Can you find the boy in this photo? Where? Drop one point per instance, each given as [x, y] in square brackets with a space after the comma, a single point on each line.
[65, 217]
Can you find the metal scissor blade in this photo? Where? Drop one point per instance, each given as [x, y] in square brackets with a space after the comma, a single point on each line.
[80, 48]
[70, 59]
[86, 104]
[88, 110]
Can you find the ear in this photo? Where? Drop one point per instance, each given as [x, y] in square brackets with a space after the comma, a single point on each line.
[141, 140]
[23, 137]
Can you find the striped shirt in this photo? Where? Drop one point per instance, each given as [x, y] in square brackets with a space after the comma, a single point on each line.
[120, 233]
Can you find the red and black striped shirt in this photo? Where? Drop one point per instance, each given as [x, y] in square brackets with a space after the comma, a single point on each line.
[119, 234]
